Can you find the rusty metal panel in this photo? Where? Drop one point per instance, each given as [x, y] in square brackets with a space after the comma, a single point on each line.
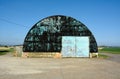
[75, 46]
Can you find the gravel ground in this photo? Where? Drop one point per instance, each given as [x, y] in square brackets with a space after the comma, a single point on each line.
[64, 68]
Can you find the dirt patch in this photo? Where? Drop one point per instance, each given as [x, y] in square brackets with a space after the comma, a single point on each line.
[63, 68]
[113, 57]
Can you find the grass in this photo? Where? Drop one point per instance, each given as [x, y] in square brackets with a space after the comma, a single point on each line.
[5, 50]
[102, 56]
[113, 50]
[11, 50]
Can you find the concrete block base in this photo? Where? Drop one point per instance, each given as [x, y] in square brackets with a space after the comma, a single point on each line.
[41, 55]
[93, 55]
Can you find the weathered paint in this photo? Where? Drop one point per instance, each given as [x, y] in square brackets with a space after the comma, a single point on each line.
[68, 46]
[75, 46]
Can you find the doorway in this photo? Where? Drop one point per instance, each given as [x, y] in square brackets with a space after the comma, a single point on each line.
[73, 46]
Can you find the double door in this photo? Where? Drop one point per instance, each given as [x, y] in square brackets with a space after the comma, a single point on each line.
[75, 46]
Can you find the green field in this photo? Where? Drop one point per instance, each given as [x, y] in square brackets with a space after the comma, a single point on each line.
[113, 50]
[5, 50]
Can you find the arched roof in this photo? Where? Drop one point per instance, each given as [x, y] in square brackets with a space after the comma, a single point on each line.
[46, 35]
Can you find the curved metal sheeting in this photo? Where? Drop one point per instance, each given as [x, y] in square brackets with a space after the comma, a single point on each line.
[46, 35]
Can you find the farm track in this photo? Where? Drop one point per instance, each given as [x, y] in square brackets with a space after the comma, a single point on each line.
[64, 68]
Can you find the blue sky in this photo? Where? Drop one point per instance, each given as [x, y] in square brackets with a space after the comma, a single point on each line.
[102, 17]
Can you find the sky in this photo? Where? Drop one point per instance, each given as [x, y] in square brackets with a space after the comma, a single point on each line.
[102, 17]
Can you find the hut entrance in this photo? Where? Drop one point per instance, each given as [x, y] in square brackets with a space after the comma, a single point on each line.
[73, 46]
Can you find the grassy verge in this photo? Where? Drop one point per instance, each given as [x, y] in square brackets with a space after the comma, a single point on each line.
[113, 50]
[11, 50]
[5, 50]
[102, 56]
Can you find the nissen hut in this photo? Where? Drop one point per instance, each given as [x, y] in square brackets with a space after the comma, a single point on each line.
[61, 36]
